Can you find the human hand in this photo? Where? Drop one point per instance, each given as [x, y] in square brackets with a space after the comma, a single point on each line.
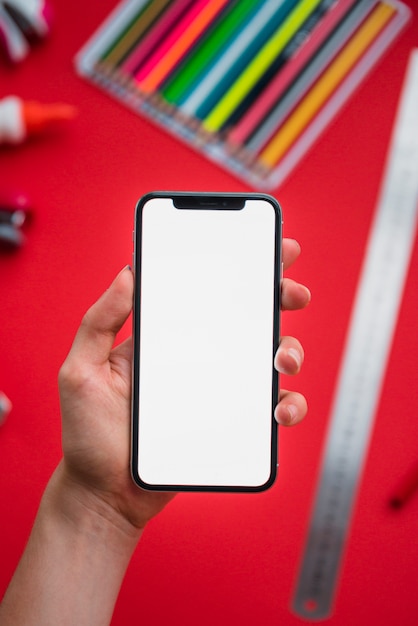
[95, 392]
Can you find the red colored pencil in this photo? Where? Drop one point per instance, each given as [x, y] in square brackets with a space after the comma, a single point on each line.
[176, 45]
[154, 37]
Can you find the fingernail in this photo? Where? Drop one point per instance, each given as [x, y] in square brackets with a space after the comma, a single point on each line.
[294, 354]
[286, 415]
[292, 410]
[126, 267]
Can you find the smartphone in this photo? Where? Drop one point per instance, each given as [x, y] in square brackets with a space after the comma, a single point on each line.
[205, 330]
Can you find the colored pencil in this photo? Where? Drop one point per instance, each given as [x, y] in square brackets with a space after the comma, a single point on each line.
[309, 75]
[154, 36]
[251, 83]
[207, 51]
[255, 69]
[120, 47]
[236, 56]
[344, 62]
[178, 44]
[279, 63]
[261, 107]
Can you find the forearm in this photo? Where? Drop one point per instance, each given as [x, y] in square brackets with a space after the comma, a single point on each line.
[74, 563]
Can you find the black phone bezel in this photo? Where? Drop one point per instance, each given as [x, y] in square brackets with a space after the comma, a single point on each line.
[204, 201]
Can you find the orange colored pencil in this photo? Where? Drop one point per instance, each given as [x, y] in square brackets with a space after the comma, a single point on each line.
[176, 51]
[326, 84]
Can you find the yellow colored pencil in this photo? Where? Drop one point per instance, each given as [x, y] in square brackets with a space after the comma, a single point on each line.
[329, 81]
[258, 66]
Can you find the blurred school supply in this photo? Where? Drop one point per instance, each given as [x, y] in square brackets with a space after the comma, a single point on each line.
[250, 83]
[22, 23]
[21, 119]
[15, 211]
[366, 353]
[5, 407]
[406, 489]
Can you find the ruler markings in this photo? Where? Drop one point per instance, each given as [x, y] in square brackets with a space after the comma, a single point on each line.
[364, 361]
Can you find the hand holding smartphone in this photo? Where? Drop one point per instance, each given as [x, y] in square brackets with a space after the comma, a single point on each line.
[206, 328]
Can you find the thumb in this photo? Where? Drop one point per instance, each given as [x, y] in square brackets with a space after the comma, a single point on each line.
[95, 337]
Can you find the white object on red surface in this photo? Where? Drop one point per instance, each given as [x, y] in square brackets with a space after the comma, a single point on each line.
[5, 406]
[21, 23]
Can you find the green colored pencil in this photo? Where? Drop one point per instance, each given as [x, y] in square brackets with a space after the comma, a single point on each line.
[177, 87]
[258, 66]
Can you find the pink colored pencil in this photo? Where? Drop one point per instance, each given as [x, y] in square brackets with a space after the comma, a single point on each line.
[157, 34]
[171, 40]
[261, 107]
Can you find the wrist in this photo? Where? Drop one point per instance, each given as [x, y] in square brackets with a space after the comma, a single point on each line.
[74, 562]
[87, 512]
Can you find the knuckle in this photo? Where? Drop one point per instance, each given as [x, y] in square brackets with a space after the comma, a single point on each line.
[73, 376]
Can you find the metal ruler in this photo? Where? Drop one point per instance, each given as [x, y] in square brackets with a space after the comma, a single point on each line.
[364, 361]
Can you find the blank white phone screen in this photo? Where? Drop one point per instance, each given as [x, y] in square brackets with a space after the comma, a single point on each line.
[206, 344]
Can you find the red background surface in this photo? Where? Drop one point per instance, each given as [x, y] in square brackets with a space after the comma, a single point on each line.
[224, 559]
